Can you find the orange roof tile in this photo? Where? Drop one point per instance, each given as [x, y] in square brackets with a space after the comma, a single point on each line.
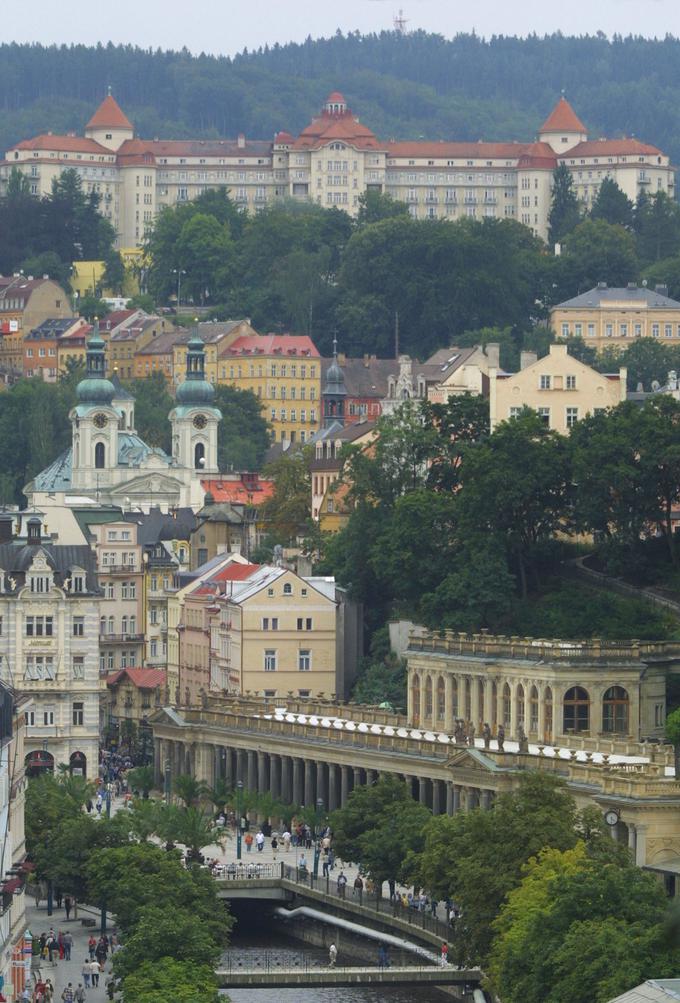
[109, 116]
[62, 144]
[610, 148]
[143, 679]
[272, 344]
[563, 118]
[237, 492]
[468, 151]
[327, 127]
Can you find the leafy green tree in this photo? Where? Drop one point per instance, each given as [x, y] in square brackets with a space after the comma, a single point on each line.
[243, 434]
[564, 212]
[114, 272]
[288, 509]
[48, 806]
[145, 818]
[596, 251]
[164, 933]
[376, 206]
[365, 811]
[190, 790]
[665, 272]
[612, 205]
[141, 778]
[193, 828]
[91, 307]
[64, 857]
[167, 980]
[153, 404]
[657, 227]
[463, 419]
[204, 250]
[49, 263]
[476, 591]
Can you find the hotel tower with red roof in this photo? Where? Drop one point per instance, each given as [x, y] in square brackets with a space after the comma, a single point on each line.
[333, 161]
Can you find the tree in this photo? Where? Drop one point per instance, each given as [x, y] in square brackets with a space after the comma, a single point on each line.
[376, 206]
[365, 811]
[141, 778]
[193, 828]
[167, 980]
[92, 307]
[153, 403]
[657, 227]
[564, 209]
[596, 251]
[190, 790]
[163, 933]
[114, 273]
[288, 509]
[612, 205]
[243, 434]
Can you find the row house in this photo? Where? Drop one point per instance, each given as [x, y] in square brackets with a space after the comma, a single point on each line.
[130, 696]
[25, 303]
[41, 346]
[608, 317]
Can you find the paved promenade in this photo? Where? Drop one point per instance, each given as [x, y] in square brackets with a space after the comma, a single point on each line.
[63, 972]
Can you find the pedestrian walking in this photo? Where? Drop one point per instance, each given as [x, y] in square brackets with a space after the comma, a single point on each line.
[94, 973]
[444, 959]
[249, 841]
[68, 944]
[342, 884]
[79, 994]
[85, 972]
[68, 902]
[67, 995]
[332, 956]
[286, 841]
[358, 887]
[259, 840]
[275, 847]
[91, 945]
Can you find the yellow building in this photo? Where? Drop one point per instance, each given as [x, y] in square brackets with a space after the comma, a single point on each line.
[25, 303]
[558, 387]
[284, 373]
[617, 317]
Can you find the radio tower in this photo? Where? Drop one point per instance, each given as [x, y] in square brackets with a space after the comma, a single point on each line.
[400, 22]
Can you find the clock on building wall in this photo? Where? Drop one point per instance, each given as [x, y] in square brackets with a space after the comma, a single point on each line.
[611, 817]
[200, 421]
[100, 421]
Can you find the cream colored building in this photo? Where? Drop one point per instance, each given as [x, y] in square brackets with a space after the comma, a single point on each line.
[617, 317]
[333, 162]
[558, 387]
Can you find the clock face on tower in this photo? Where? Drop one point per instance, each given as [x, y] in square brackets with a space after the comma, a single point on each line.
[100, 421]
[200, 421]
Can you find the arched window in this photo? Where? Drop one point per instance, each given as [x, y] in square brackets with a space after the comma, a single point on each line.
[199, 456]
[100, 456]
[287, 589]
[615, 705]
[533, 710]
[454, 699]
[507, 701]
[576, 710]
[519, 706]
[441, 699]
[415, 699]
[428, 698]
[548, 713]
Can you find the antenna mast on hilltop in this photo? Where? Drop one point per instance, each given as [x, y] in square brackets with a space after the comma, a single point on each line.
[400, 22]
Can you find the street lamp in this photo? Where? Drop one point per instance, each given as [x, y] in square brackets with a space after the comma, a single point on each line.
[317, 836]
[239, 798]
[179, 272]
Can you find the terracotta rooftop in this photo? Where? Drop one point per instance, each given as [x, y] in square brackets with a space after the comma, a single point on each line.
[62, 144]
[345, 127]
[563, 118]
[239, 492]
[284, 345]
[610, 148]
[143, 679]
[109, 115]
[470, 151]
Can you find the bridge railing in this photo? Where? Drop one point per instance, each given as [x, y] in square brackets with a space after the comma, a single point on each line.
[328, 885]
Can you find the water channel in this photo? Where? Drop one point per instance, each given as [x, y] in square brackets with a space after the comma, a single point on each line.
[287, 951]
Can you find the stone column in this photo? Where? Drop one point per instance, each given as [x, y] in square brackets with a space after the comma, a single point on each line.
[286, 789]
[321, 785]
[485, 799]
[640, 845]
[513, 711]
[541, 713]
[332, 787]
[261, 772]
[356, 777]
[488, 709]
[344, 785]
[631, 838]
[422, 790]
[241, 773]
[158, 762]
[252, 770]
[298, 791]
[436, 809]
[456, 798]
[275, 776]
[449, 798]
[309, 784]
[448, 702]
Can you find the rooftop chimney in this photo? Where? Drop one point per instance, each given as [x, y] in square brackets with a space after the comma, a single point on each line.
[632, 285]
[527, 359]
[241, 141]
[661, 289]
[601, 285]
[493, 354]
[6, 522]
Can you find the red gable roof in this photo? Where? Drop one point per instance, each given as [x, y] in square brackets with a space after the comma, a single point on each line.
[563, 118]
[272, 344]
[237, 492]
[62, 144]
[337, 126]
[231, 573]
[143, 679]
[471, 151]
[109, 116]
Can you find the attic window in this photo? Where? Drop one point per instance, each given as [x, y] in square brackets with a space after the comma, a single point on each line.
[287, 589]
[109, 135]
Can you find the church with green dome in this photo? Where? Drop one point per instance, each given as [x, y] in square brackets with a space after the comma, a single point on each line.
[108, 463]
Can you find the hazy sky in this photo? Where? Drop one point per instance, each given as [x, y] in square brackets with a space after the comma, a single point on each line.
[227, 26]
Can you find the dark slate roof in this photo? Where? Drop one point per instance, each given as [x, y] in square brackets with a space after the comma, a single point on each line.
[154, 526]
[53, 327]
[365, 377]
[121, 393]
[635, 295]
[17, 557]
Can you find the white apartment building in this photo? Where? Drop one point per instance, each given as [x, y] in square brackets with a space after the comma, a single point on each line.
[49, 627]
[333, 161]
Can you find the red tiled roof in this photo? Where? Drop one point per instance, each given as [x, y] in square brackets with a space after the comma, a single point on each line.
[114, 318]
[135, 148]
[109, 115]
[563, 118]
[284, 137]
[335, 97]
[231, 573]
[62, 144]
[610, 148]
[344, 126]
[237, 492]
[78, 332]
[468, 151]
[143, 679]
[272, 344]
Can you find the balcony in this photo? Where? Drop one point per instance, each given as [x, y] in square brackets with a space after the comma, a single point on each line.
[431, 200]
[118, 569]
[118, 638]
[490, 200]
[470, 200]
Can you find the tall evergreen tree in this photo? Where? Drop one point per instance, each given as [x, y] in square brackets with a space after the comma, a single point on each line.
[613, 205]
[564, 213]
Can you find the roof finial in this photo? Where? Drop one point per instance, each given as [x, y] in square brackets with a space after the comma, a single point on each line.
[335, 347]
[563, 93]
[109, 90]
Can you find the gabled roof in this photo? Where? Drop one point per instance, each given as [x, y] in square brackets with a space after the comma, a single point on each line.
[239, 492]
[365, 377]
[563, 118]
[634, 296]
[62, 144]
[143, 679]
[283, 345]
[344, 127]
[652, 991]
[611, 148]
[232, 573]
[109, 115]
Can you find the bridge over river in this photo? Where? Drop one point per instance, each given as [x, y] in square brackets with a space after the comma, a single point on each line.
[236, 977]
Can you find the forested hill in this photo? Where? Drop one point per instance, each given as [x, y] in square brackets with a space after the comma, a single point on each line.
[401, 86]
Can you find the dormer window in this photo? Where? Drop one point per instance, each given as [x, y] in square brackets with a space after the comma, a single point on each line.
[78, 582]
[40, 583]
[287, 589]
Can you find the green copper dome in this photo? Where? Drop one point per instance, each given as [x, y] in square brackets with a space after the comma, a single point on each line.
[95, 388]
[195, 389]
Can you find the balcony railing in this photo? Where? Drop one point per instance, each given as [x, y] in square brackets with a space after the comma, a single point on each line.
[118, 568]
[105, 638]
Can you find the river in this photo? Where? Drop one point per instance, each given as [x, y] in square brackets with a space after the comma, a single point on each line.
[288, 951]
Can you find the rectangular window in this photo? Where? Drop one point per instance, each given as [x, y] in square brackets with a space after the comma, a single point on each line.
[544, 382]
[544, 415]
[623, 330]
[591, 330]
[515, 412]
[78, 713]
[655, 330]
[572, 416]
[668, 330]
[78, 666]
[637, 329]
[578, 330]
[270, 660]
[304, 660]
[571, 383]
[48, 718]
[608, 330]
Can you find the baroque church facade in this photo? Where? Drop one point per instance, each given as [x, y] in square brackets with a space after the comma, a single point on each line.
[108, 463]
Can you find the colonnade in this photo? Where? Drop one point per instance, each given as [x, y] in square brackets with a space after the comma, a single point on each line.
[296, 780]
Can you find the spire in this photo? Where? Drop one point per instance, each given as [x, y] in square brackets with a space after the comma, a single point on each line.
[195, 389]
[334, 392]
[95, 388]
[109, 115]
[563, 118]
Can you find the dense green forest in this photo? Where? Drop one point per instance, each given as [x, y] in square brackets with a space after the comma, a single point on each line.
[401, 85]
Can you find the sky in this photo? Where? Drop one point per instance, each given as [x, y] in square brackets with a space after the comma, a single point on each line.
[227, 26]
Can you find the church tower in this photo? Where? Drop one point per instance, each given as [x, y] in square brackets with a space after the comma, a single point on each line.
[194, 419]
[94, 422]
[334, 393]
[109, 126]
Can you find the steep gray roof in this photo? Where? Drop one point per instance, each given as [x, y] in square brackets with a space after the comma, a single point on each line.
[16, 558]
[652, 991]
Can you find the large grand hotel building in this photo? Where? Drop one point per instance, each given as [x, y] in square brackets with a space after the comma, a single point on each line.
[332, 162]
